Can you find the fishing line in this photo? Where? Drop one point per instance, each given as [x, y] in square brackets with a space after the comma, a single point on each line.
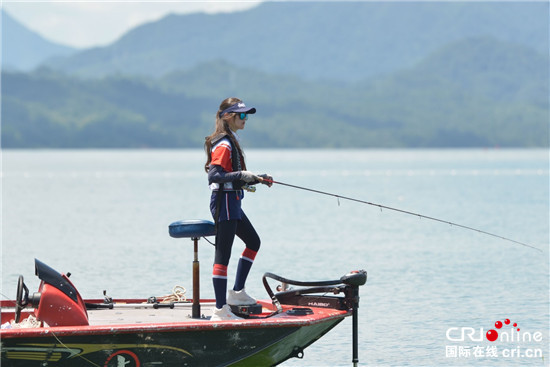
[71, 351]
[403, 211]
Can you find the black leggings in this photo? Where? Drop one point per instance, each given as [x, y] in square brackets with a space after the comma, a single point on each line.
[227, 229]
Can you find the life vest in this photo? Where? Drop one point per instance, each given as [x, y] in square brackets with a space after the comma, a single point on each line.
[237, 161]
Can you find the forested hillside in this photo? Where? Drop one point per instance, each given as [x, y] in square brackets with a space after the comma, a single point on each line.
[450, 99]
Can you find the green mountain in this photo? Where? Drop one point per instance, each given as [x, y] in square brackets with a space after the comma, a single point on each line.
[346, 41]
[50, 110]
[22, 49]
[478, 92]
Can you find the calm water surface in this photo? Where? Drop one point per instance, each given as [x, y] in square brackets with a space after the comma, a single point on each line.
[104, 215]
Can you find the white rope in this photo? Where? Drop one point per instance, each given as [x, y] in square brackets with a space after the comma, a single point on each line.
[29, 322]
[178, 295]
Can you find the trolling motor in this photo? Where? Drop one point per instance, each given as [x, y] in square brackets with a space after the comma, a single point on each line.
[348, 285]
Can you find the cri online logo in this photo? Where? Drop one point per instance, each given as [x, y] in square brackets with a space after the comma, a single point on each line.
[492, 334]
[460, 334]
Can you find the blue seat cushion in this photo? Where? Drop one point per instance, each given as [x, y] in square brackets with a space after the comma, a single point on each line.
[192, 228]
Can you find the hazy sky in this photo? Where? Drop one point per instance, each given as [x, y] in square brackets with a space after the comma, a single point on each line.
[81, 23]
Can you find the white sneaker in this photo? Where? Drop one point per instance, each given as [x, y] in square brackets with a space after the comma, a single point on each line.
[239, 298]
[224, 314]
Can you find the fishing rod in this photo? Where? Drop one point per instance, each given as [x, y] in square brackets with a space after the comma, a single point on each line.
[400, 211]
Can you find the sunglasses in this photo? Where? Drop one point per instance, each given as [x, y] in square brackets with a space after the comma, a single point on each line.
[243, 116]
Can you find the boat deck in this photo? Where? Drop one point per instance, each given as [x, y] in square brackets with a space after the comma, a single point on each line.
[146, 314]
[130, 315]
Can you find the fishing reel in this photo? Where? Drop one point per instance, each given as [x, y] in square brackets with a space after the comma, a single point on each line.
[249, 188]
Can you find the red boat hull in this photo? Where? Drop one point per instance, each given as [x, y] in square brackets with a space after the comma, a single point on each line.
[250, 342]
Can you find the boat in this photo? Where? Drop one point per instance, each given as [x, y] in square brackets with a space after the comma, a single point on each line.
[55, 326]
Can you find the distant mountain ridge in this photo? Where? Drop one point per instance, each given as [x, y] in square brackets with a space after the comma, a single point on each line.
[345, 41]
[23, 49]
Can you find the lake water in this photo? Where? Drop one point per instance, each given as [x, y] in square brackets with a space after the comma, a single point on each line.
[103, 216]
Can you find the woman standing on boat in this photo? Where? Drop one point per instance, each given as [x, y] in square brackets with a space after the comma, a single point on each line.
[228, 178]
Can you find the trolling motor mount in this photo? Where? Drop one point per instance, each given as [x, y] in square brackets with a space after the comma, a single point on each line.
[305, 296]
[348, 285]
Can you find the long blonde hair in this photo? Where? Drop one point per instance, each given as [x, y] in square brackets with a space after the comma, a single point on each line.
[222, 128]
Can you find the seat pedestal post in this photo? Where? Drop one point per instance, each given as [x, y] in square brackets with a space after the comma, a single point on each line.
[196, 309]
[193, 229]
